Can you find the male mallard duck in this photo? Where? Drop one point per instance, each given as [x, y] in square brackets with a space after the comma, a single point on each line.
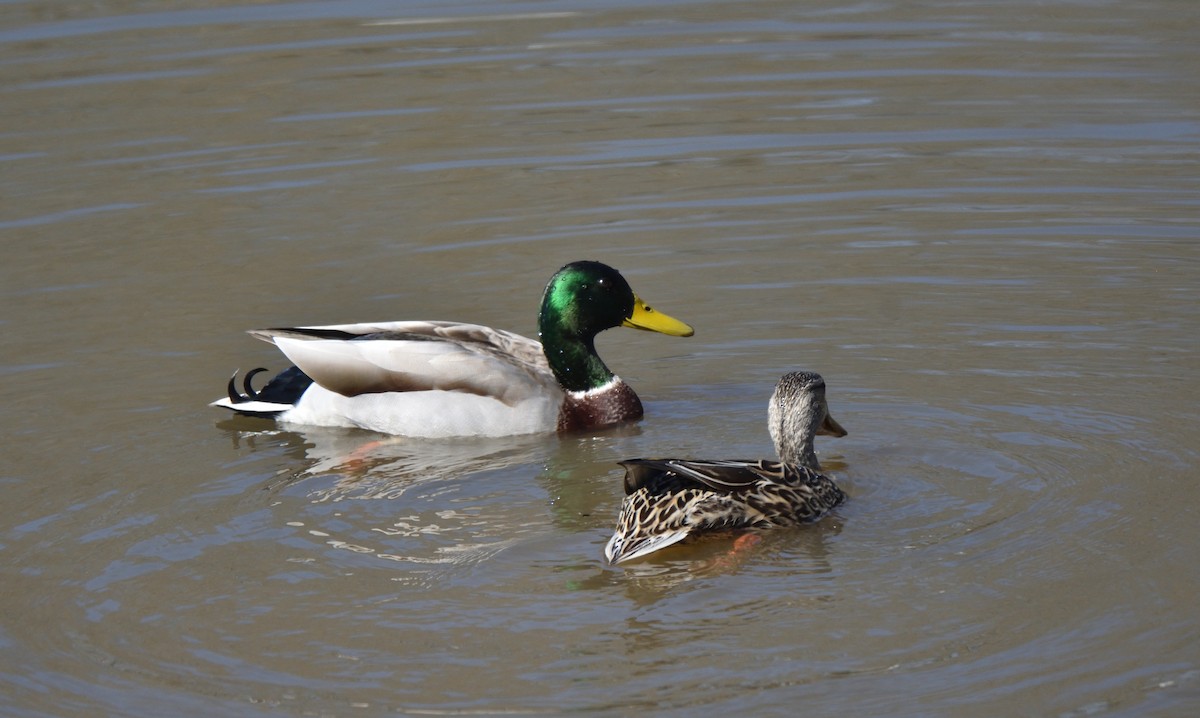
[670, 499]
[436, 379]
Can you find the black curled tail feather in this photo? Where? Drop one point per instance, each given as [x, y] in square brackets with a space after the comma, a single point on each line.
[286, 388]
[237, 397]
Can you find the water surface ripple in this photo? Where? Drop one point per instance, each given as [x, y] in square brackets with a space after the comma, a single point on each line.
[978, 221]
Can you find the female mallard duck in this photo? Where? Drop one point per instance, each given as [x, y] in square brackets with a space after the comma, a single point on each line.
[670, 499]
[437, 379]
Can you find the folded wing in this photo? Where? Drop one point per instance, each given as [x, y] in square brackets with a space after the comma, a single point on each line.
[716, 475]
[409, 356]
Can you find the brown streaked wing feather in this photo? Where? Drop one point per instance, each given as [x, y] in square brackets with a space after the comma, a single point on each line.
[671, 499]
[716, 475]
[651, 521]
[800, 496]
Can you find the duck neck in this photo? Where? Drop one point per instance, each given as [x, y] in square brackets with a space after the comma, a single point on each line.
[793, 433]
[800, 454]
[572, 357]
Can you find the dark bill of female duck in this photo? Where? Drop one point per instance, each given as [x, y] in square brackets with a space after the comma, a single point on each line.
[441, 378]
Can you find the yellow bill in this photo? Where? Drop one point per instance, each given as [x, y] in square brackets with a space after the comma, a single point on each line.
[644, 317]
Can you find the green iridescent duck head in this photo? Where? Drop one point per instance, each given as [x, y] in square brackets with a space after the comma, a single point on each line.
[581, 300]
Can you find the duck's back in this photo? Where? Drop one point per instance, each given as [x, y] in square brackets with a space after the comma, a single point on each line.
[670, 499]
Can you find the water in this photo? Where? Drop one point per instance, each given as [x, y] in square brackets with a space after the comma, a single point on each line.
[977, 220]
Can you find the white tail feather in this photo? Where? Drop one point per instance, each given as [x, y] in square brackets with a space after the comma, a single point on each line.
[616, 552]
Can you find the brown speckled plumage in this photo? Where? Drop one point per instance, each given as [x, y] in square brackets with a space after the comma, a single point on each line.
[670, 499]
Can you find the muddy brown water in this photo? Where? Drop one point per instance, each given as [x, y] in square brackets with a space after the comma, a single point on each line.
[978, 220]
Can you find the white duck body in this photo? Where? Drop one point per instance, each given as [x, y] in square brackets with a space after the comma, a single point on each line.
[438, 378]
[417, 378]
